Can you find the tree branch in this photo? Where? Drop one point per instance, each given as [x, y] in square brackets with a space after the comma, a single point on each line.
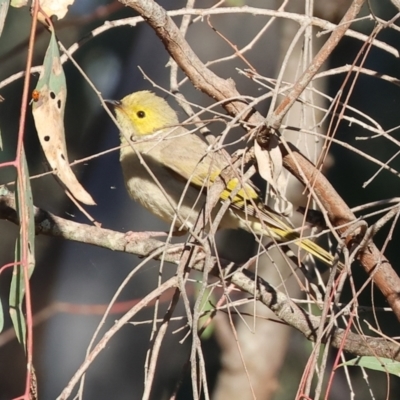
[374, 263]
[284, 308]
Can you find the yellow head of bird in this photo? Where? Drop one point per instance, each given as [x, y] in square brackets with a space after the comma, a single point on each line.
[143, 113]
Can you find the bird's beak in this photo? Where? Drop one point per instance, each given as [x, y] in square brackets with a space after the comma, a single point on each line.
[114, 103]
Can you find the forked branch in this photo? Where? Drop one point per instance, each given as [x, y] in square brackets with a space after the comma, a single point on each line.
[339, 214]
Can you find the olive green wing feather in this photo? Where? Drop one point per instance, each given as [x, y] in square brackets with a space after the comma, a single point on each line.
[201, 167]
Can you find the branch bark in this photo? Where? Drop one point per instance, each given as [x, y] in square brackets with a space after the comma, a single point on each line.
[374, 263]
[283, 307]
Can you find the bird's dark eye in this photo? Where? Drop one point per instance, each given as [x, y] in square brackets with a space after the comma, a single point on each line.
[141, 114]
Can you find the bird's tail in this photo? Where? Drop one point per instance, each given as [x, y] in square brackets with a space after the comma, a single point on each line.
[280, 232]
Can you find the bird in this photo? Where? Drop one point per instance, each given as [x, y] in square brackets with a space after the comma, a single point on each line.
[169, 169]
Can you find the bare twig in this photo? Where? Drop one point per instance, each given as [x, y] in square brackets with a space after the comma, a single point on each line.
[337, 210]
[278, 302]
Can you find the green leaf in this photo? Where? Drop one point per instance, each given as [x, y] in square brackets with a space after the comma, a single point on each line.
[24, 205]
[1, 317]
[206, 308]
[376, 363]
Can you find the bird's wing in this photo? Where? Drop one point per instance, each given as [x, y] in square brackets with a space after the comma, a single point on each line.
[195, 162]
[201, 167]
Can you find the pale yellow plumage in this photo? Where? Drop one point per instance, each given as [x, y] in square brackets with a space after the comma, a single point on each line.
[184, 167]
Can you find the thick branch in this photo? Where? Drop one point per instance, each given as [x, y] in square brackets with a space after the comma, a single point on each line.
[374, 263]
[205, 80]
[51, 225]
[202, 78]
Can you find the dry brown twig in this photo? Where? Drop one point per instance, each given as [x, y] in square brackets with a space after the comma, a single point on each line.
[337, 211]
[284, 308]
[317, 329]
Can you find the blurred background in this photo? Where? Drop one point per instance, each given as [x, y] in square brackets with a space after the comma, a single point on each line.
[78, 274]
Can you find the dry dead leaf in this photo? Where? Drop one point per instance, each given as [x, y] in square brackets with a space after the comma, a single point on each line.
[49, 100]
[270, 167]
[59, 8]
